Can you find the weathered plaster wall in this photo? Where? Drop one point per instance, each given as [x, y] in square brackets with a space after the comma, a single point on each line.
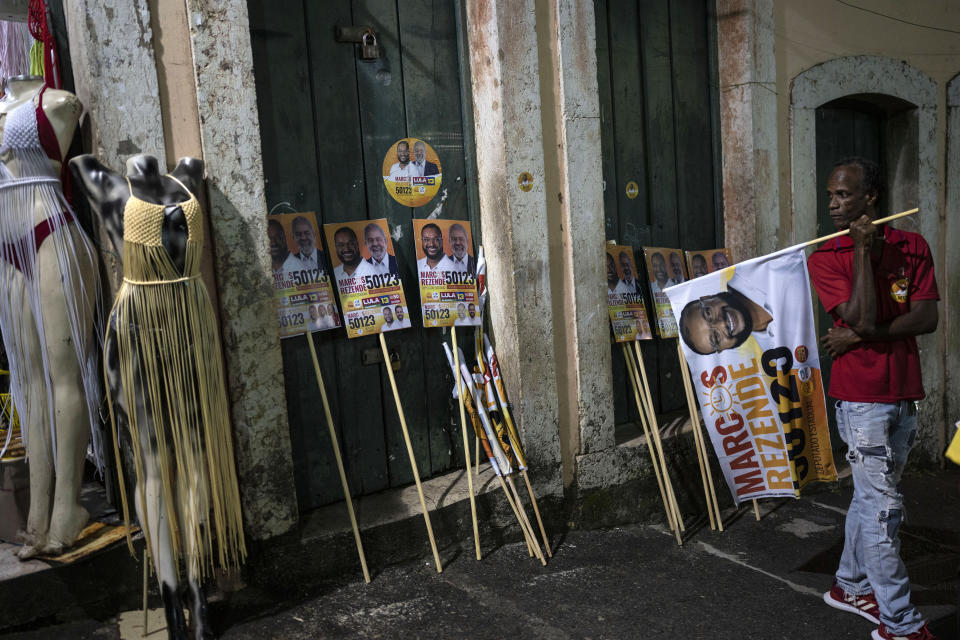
[566, 37]
[230, 135]
[507, 116]
[111, 45]
[748, 125]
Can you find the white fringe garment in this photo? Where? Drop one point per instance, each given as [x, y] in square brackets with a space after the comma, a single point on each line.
[30, 192]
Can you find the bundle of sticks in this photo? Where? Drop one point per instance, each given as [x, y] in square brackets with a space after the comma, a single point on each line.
[482, 397]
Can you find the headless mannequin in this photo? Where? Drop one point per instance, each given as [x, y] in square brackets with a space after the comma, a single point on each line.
[56, 517]
[107, 192]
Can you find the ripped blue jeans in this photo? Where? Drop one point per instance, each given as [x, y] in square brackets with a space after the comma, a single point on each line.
[879, 437]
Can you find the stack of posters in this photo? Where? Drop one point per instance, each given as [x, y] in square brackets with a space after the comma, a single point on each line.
[700, 263]
[665, 269]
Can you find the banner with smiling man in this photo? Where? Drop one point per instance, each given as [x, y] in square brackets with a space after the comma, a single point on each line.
[748, 335]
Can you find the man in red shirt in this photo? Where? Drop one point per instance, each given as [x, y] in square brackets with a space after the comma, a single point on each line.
[878, 285]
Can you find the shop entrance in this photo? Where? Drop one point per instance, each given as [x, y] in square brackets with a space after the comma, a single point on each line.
[327, 119]
[657, 83]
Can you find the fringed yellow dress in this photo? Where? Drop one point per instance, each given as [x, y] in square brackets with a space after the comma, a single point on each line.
[172, 385]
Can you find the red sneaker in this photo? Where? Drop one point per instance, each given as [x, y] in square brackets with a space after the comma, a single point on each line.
[923, 633]
[865, 605]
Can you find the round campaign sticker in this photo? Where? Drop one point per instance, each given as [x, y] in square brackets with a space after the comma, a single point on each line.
[525, 181]
[411, 172]
[633, 190]
[898, 290]
[801, 353]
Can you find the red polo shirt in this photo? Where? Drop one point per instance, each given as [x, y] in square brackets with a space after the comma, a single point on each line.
[881, 371]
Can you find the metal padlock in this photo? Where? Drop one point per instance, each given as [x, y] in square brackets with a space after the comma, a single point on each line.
[368, 47]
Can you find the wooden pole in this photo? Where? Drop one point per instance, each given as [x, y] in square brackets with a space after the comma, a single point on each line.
[525, 522]
[516, 514]
[756, 509]
[699, 435]
[145, 570]
[514, 439]
[846, 231]
[536, 512]
[695, 425]
[476, 453]
[466, 444]
[651, 448]
[413, 460]
[655, 432]
[336, 454]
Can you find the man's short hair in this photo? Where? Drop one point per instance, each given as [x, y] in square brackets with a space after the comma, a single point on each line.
[457, 226]
[373, 226]
[274, 223]
[871, 177]
[301, 220]
[431, 225]
[347, 230]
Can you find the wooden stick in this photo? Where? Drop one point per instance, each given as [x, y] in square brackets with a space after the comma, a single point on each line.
[413, 460]
[466, 444]
[651, 448]
[846, 231]
[695, 425]
[145, 570]
[756, 509]
[512, 431]
[655, 432]
[526, 520]
[476, 453]
[701, 438]
[536, 512]
[516, 514]
[336, 454]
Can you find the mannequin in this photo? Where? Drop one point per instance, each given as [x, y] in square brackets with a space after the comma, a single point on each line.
[48, 310]
[162, 366]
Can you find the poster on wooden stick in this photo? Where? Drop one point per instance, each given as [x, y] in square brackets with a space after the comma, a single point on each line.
[368, 277]
[628, 315]
[447, 272]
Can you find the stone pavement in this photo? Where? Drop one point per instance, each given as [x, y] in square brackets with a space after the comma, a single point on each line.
[759, 580]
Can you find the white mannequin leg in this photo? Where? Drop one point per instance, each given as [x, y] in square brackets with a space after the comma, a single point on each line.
[56, 517]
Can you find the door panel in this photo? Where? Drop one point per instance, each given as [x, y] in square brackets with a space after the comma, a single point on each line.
[654, 76]
[327, 119]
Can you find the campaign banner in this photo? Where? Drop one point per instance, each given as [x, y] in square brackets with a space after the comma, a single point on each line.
[447, 270]
[368, 277]
[747, 333]
[700, 263]
[301, 283]
[628, 315]
[665, 268]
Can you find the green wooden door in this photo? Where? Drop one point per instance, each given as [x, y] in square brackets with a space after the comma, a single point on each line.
[657, 89]
[327, 119]
[845, 127]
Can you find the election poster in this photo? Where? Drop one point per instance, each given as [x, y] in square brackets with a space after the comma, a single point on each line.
[700, 263]
[368, 277]
[412, 172]
[665, 268]
[447, 271]
[628, 315]
[301, 282]
[748, 336]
